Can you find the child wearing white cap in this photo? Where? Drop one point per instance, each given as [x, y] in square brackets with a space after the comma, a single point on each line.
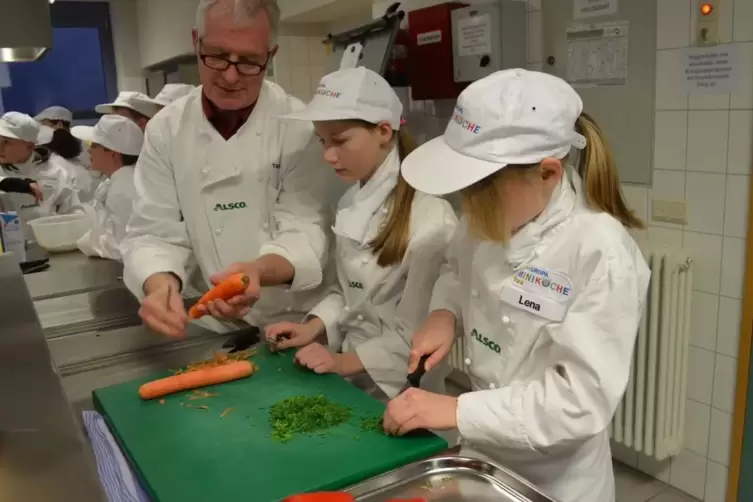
[57, 117]
[389, 240]
[132, 105]
[115, 146]
[542, 277]
[23, 155]
[171, 93]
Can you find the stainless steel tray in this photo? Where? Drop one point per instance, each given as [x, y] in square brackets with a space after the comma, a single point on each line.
[449, 479]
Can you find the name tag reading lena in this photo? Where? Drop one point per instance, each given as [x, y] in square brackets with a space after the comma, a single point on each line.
[540, 292]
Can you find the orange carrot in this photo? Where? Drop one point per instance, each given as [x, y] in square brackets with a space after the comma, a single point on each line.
[195, 379]
[234, 285]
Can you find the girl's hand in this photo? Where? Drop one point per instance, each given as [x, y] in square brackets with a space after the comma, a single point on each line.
[317, 358]
[419, 409]
[435, 336]
[286, 335]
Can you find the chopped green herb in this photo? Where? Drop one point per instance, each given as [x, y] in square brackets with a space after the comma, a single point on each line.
[372, 424]
[305, 415]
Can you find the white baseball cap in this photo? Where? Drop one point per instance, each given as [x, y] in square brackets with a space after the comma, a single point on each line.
[17, 125]
[353, 94]
[172, 92]
[135, 101]
[55, 113]
[511, 117]
[114, 132]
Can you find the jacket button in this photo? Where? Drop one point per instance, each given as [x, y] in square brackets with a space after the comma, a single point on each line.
[505, 319]
[385, 210]
[492, 386]
[289, 309]
[346, 309]
[218, 231]
[205, 171]
[359, 317]
[467, 361]
[265, 226]
[365, 260]
[474, 293]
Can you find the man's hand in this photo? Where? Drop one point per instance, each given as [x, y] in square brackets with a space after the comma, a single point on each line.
[238, 306]
[162, 309]
[435, 337]
[419, 409]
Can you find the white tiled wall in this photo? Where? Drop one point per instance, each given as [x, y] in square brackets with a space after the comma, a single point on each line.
[300, 63]
[703, 149]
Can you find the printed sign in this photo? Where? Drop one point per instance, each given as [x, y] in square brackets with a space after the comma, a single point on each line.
[584, 9]
[711, 70]
[474, 36]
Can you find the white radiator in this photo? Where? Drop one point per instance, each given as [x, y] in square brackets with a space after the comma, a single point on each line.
[651, 416]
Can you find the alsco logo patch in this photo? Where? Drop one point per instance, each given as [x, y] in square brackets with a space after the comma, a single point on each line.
[230, 206]
[355, 284]
[485, 341]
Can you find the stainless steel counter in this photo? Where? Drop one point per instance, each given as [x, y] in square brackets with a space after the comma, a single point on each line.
[43, 455]
[74, 273]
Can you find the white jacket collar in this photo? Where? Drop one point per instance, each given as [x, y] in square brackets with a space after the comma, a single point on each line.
[523, 244]
[360, 203]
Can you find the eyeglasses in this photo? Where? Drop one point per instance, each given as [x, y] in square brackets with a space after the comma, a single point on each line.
[243, 67]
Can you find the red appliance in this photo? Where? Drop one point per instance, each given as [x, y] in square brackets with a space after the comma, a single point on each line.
[430, 53]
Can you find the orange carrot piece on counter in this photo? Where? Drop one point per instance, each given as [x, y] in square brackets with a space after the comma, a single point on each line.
[234, 285]
[195, 379]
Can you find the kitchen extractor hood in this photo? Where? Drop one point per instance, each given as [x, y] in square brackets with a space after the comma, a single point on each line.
[25, 30]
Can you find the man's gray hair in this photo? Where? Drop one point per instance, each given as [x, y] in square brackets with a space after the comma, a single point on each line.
[242, 10]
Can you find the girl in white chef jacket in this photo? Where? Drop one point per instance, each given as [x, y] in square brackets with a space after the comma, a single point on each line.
[544, 279]
[389, 240]
[115, 145]
[65, 150]
[23, 155]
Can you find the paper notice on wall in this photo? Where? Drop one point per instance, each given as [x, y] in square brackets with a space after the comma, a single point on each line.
[597, 54]
[711, 70]
[474, 36]
[351, 56]
[584, 9]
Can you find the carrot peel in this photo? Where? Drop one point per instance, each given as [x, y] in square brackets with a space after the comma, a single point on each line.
[234, 285]
[196, 379]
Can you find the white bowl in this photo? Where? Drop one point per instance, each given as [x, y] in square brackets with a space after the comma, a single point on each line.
[62, 232]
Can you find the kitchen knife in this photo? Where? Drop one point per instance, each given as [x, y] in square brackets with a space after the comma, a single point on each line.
[414, 380]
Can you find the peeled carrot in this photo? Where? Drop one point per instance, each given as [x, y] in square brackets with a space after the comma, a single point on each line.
[195, 379]
[234, 285]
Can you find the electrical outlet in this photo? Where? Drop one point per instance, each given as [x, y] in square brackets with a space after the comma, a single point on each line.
[668, 211]
[707, 22]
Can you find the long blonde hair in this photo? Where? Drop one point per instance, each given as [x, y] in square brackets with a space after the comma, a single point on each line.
[486, 216]
[391, 242]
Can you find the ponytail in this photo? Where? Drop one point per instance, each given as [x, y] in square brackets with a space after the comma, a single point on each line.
[391, 242]
[597, 169]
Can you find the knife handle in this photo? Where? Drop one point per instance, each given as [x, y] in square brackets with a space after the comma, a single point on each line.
[415, 377]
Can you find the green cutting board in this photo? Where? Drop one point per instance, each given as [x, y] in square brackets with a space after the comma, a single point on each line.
[185, 454]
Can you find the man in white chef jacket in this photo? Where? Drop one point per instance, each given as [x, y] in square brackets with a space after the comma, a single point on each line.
[223, 182]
